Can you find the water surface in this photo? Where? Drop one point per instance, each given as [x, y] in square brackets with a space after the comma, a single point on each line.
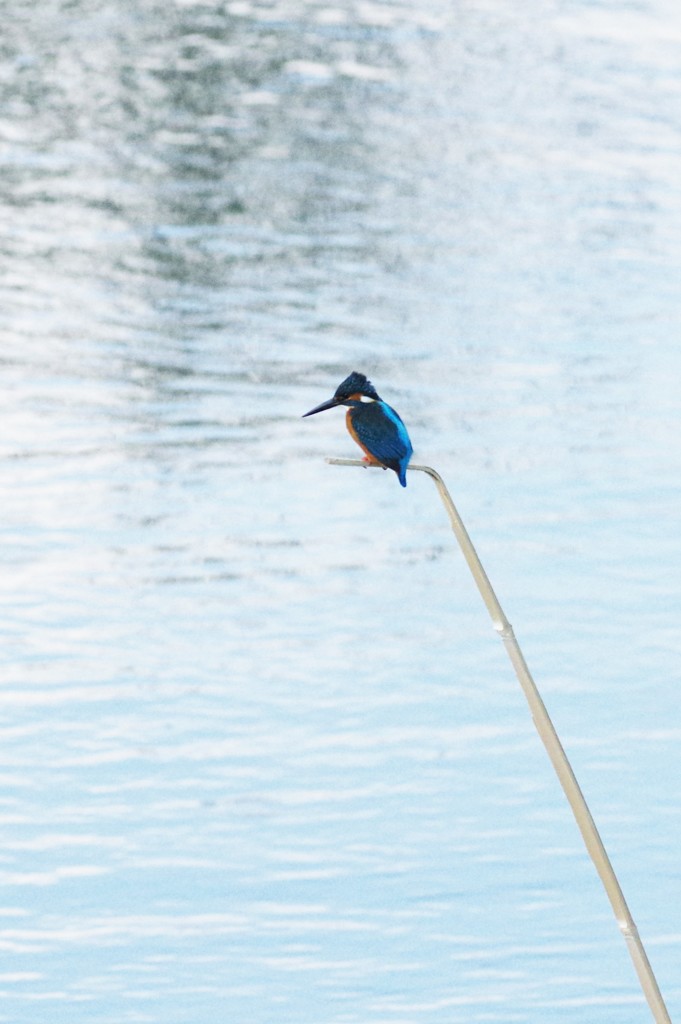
[262, 757]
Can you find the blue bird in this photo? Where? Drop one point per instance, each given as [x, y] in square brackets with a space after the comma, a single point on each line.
[376, 428]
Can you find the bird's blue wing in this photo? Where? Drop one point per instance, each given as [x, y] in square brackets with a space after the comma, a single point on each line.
[380, 430]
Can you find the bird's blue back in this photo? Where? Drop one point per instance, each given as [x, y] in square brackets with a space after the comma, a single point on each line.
[381, 431]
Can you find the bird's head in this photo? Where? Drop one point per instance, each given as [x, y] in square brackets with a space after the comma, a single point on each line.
[353, 389]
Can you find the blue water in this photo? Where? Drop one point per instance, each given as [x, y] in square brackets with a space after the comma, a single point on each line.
[262, 757]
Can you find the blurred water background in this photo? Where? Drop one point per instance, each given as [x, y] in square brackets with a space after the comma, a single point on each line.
[262, 757]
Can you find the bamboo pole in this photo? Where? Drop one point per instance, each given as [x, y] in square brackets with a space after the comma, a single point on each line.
[554, 749]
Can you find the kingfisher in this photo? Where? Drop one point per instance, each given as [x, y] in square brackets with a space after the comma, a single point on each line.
[373, 424]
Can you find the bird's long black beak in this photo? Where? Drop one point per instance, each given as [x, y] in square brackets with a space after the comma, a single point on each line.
[331, 404]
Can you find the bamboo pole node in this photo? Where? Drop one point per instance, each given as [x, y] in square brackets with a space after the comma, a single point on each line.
[553, 746]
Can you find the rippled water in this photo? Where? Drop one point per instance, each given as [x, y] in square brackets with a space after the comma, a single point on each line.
[262, 757]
